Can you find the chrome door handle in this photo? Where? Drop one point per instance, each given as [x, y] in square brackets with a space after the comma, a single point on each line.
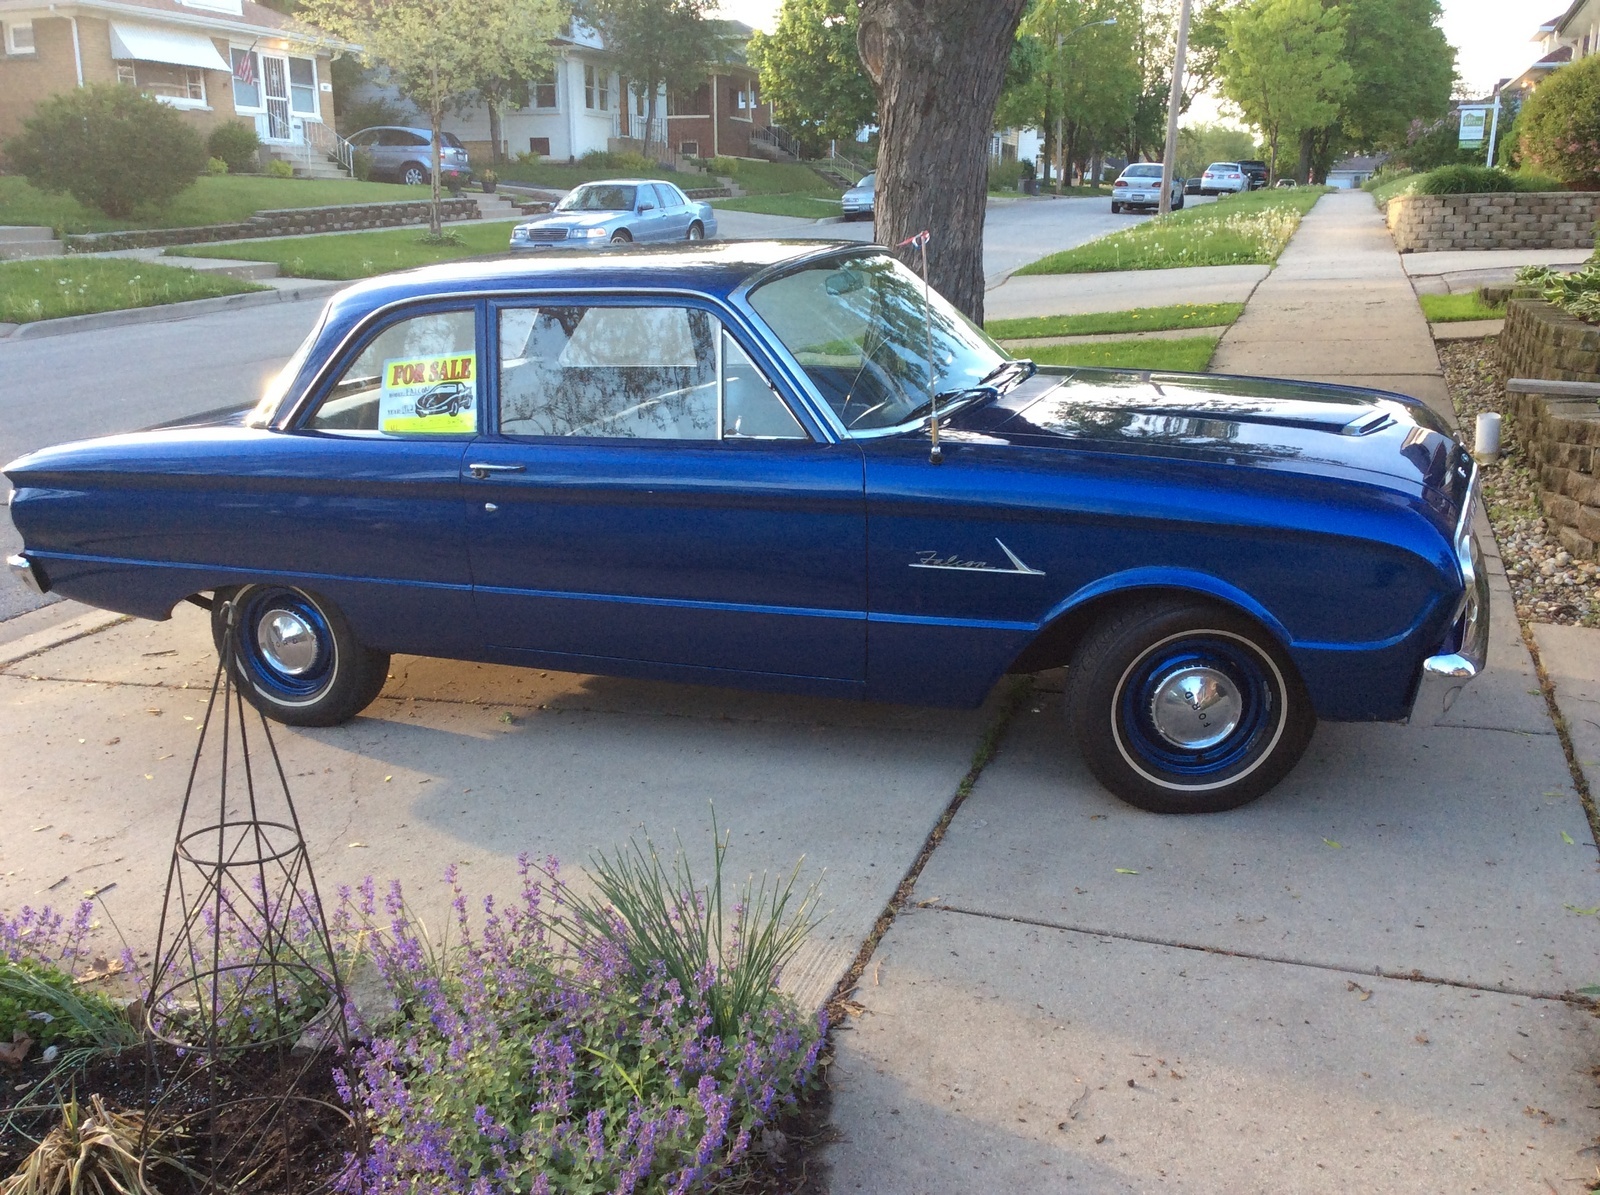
[482, 469]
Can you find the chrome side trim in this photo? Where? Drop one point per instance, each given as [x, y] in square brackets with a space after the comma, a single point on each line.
[22, 569]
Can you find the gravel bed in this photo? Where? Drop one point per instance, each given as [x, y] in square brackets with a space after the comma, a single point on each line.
[1549, 585]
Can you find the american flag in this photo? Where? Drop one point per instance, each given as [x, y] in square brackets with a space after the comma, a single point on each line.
[245, 69]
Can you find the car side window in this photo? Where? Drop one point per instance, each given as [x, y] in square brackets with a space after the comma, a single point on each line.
[626, 373]
[665, 197]
[418, 376]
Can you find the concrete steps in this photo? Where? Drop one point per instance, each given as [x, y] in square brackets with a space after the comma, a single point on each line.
[22, 241]
[497, 207]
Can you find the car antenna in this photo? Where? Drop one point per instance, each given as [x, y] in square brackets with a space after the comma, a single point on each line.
[920, 241]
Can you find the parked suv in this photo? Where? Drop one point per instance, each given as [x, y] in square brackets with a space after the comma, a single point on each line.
[406, 155]
[1257, 170]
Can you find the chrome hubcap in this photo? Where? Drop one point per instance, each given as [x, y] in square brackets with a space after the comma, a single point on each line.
[1194, 707]
[287, 642]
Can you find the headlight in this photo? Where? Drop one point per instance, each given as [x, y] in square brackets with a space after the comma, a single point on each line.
[592, 233]
[519, 233]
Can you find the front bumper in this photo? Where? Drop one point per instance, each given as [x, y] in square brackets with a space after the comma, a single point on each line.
[28, 573]
[1446, 674]
[568, 243]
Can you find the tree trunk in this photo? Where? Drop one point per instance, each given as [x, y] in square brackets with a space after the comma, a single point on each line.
[1303, 169]
[435, 112]
[493, 105]
[937, 66]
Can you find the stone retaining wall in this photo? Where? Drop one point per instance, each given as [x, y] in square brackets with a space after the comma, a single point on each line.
[1513, 220]
[298, 221]
[1562, 433]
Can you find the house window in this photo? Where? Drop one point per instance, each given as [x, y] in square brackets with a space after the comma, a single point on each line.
[303, 86]
[689, 149]
[19, 37]
[596, 89]
[540, 146]
[184, 86]
[543, 91]
[246, 79]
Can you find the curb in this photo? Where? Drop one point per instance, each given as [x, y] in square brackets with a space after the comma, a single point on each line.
[309, 289]
[40, 642]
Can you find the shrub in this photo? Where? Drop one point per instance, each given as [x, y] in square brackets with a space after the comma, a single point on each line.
[1464, 180]
[361, 164]
[1559, 125]
[216, 166]
[237, 145]
[1004, 175]
[626, 162]
[109, 147]
[1437, 147]
[370, 113]
[278, 168]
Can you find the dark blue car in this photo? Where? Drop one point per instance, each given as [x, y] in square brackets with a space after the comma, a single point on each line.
[714, 464]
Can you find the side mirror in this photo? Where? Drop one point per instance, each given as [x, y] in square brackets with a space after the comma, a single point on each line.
[647, 207]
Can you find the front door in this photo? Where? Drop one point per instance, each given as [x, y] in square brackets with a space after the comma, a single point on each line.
[650, 504]
[275, 92]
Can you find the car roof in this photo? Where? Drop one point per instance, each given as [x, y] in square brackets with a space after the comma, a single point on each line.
[621, 182]
[717, 268]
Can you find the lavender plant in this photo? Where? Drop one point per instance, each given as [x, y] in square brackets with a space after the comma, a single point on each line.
[536, 1055]
[39, 996]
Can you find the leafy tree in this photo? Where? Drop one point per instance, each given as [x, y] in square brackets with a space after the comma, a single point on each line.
[1559, 125]
[812, 74]
[656, 43]
[438, 52]
[1402, 70]
[109, 147]
[1283, 67]
[937, 66]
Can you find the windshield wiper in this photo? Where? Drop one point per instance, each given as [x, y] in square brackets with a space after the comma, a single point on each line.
[947, 397]
[1023, 368]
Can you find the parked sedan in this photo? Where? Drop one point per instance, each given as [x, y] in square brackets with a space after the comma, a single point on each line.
[1224, 178]
[406, 155]
[618, 211]
[781, 466]
[858, 200]
[1192, 186]
[1139, 185]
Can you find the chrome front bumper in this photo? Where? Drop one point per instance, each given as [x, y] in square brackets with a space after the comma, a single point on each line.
[1445, 675]
[23, 570]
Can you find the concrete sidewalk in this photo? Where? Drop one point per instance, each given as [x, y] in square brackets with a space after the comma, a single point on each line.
[1358, 983]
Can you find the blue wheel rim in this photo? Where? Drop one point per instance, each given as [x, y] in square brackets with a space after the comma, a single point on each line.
[260, 658]
[1260, 715]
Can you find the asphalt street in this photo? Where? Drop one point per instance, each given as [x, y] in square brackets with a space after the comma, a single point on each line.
[122, 379]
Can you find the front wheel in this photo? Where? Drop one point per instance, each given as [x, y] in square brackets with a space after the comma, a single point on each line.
[621, 237]
[1180, 706]
[413, 175]
[295, 657]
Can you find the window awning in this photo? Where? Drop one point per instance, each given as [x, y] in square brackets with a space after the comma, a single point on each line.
[143, 44]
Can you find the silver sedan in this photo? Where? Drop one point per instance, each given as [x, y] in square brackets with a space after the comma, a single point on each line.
[618, 211]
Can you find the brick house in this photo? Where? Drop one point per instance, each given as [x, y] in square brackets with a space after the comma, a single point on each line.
[720, 116]
[213, 60]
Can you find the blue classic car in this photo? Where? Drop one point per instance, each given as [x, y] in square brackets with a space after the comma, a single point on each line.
[717, 464]
[618, 211]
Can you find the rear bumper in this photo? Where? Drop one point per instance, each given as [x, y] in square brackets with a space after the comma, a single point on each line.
[1444, 675]
[28, 573]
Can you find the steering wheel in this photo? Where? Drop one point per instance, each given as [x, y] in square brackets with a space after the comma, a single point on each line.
[882, 388]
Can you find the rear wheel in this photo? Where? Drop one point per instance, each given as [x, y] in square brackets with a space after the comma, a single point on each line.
[1180, 706]
[295, 657]
[1116, 207]
[697, 231]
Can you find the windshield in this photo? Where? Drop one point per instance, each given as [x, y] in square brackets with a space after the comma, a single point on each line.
[859, 328]
[599, 197]
[1152, 171]
[867, 182]
[1221, 167]
[277, 387]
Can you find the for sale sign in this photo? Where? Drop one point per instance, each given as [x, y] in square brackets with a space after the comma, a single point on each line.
[1474, 125]
[430, 395]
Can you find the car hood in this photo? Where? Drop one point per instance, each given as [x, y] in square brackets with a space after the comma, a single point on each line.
[1240, 421]
[574, 219]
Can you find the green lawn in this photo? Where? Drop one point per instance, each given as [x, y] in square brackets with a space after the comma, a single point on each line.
[344, 256]
[774, 178]
[805, 206]
[1445, 309]
[48, 289]
[219, 199]
[1190, 355]
[1247, 229]
[559, 176]
[1401, 184]
[1142, 319]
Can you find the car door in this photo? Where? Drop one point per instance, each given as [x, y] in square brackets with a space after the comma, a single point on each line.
[366, 500]
[675, 212]
[649, 219]
[649, 503]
